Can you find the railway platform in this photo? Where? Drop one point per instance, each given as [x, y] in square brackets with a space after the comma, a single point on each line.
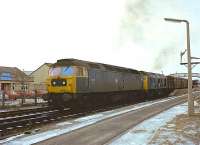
[157, 122]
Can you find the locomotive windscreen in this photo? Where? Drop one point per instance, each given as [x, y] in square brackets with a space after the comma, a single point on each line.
[61, 71]
[68, 71]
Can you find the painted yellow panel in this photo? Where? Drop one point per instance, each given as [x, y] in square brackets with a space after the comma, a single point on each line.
[145, 83]
[69, 88]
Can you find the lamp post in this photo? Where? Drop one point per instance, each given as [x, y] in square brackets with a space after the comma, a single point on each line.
[190, 98]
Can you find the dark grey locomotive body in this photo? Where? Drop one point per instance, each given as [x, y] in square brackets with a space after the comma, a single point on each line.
[89, 84]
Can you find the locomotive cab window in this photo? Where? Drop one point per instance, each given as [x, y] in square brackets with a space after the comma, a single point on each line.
[68, 71]
[61, 71]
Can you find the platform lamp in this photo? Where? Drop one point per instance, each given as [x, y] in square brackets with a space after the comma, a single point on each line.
[190, 98]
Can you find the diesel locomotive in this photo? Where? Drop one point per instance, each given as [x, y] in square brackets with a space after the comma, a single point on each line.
[73, 83]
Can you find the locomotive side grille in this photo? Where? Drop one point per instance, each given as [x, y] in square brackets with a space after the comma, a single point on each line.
[60, 82]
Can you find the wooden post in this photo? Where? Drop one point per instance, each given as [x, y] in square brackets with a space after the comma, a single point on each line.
[35, 97]
[3, 99]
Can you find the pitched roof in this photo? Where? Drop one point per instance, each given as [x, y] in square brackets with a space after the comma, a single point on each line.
[47, 64]
[13, 74]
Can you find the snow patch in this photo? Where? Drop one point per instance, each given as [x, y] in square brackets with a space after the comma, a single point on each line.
[63, 123]
[88, 118]
[142, 133]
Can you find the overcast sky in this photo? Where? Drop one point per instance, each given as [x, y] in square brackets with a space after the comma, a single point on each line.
[129, 33]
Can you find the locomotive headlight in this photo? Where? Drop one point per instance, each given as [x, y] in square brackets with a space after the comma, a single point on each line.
[64, 83]
[54, 83]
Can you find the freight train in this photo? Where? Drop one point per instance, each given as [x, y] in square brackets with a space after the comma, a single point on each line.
[74, 82]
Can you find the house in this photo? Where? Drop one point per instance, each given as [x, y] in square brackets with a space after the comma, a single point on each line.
[13, 81]
[40, 76]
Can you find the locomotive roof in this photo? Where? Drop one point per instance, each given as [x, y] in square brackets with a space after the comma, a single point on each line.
[88, 64]
[153, 74]
[176, 77]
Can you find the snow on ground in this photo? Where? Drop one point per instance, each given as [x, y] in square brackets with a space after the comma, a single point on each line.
[183, 130]
[18, 102]
[172, 127]
[142, 133]
[11, 105]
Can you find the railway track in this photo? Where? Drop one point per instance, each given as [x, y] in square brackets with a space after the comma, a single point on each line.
[21, 120]
[23, 111]
[13, 122]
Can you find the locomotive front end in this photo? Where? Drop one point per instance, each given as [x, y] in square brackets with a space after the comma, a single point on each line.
[62, 84]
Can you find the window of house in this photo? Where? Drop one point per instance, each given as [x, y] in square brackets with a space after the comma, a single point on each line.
[13, 87]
